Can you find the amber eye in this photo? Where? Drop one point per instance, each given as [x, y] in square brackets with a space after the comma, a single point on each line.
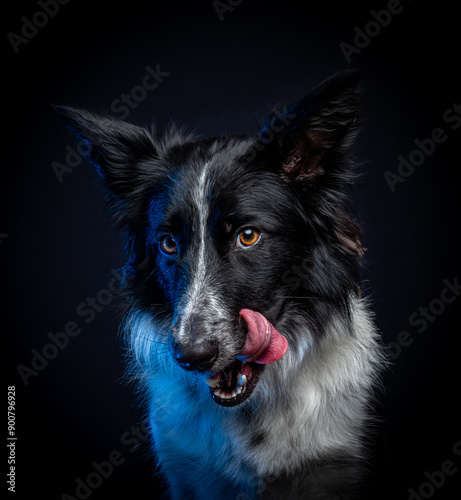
[168, 245]
[248, 237]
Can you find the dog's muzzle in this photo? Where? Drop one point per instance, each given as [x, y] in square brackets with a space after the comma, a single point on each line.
[233, 385]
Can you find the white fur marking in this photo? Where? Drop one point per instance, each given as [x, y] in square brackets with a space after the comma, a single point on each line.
[197, 287]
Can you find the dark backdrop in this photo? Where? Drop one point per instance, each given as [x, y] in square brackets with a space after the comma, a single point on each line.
[58, 247]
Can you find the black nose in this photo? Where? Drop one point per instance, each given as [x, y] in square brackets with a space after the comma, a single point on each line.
[199, 356]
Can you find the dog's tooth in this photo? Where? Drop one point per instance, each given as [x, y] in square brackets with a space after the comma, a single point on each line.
[238, 391]
[224, 395]
[214, 380]
[242, 382]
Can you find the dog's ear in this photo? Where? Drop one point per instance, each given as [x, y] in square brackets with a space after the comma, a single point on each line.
[128, 159]
[315, 133]
[115, 148]
[312, 138]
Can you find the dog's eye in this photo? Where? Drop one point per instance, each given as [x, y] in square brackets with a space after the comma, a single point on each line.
[168, 245]
[248, 237]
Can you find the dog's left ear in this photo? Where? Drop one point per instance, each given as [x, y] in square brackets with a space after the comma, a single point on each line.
[315, 133]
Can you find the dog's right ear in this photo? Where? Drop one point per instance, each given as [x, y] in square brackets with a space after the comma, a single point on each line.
[128, 158]
[115, 148]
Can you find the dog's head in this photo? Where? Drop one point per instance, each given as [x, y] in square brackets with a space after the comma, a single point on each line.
[235, 241]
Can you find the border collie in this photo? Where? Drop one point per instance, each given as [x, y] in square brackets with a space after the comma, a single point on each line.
[257, 354]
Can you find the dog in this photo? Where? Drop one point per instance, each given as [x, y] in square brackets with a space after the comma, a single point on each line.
[257, 355]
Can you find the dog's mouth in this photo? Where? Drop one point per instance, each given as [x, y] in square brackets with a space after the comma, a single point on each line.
[235, 384]
[263, 345]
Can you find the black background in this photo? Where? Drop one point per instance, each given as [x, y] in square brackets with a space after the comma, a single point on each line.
[58, 246]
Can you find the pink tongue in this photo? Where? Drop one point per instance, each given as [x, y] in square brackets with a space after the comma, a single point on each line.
[264, 344]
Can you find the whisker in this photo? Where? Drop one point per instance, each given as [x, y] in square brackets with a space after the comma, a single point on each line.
[149, 339]
[299, 297]
[149, 275]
